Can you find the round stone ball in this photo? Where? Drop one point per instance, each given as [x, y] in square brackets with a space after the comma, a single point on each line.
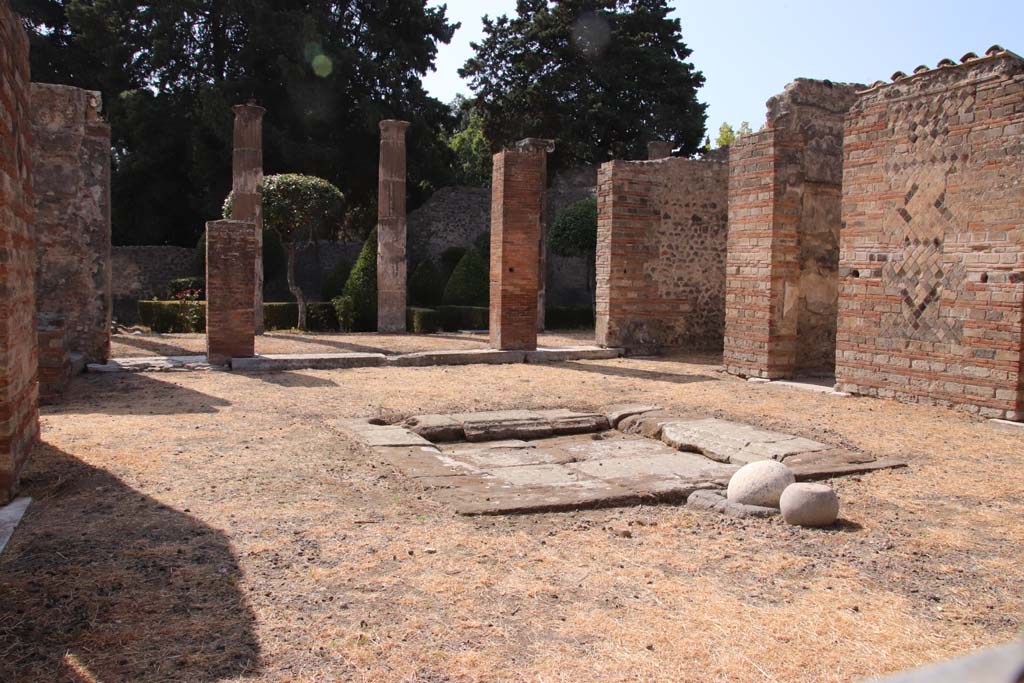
[806, 504]
[760, 483]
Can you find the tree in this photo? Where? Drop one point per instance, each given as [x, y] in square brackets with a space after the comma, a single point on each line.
[574, 233]
[602, 77]
[469, 284]
[470, 146]
[357, 306]
[169, 72]
[300, 209]
[726, 135]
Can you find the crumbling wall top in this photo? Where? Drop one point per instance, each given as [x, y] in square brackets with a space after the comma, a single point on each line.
[832, 97]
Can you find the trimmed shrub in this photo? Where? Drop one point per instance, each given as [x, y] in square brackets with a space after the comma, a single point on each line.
[568, 317]
[426, 285]
[450, 258]
[469, 284]
[168, 317]
[181, 285]
[454, 318]
[422, 320]
[280, 315]
[321, 317]
[356, 308]
[334, 283]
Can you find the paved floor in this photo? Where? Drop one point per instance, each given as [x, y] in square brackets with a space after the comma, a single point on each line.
[497, 462]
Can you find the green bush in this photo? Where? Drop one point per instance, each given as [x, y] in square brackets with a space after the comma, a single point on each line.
[574, 232]
[422, 320]
[568, 317]
[426, 285]
[320, 316]
[274, 257]
[469, 284]
[184, 284]
[450, 258]
[168, 317]
[454, 318]
[356, 308]
[334, 283]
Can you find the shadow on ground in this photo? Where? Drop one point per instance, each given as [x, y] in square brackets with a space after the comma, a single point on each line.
[102, 583]
[292, 380]
[320, 341]
[157, 345]
[634, 373]
[132, 393]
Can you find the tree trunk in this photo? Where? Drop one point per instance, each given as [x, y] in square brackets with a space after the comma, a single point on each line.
[295, 289]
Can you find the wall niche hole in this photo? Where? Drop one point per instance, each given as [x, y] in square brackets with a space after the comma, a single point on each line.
[984, 277]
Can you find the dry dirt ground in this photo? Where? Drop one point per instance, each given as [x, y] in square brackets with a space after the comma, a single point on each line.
[208, 526]
[140, 345]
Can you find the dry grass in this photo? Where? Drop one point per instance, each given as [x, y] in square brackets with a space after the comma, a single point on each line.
[210, 527]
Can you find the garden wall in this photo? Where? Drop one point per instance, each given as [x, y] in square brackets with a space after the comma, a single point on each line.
[144, 273]
[71, 175]
[661, 243]
[19, 420]
[931, 304]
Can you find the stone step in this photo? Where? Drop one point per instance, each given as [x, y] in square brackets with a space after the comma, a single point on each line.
[307, 361]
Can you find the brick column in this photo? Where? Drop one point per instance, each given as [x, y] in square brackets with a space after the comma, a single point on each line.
[231, 252]
[247, 188]
[659, 149]
[19, 418]
[391, 227]
[517, 197]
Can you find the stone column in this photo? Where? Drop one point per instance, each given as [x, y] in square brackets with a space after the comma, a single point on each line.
[517, 200]
[247, 188]
[231, 252]
[659, 149]
[391, 227]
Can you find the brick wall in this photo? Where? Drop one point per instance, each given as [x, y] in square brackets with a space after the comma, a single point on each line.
[784, 221]
[54, 359]
[661, 254]
[19, 420]
[71, 175]
[932, 253]
[230, 274]
[518, 181]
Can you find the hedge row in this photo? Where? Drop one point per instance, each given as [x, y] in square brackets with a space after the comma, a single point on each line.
[177, 316]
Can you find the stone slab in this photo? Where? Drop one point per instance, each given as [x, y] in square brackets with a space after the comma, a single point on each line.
[507, 429]
[618, 412]
[1007, 424]
[569, 422]
[151, 364]
[10, 517]
[378, 436]
[490, 458]
[470, 357]
[1002, 664]
[490, 499]
[734, 442]
[815, 471]
[568, 353]
[436, 428]
[307, 361]
[707, 499]
[420, 462]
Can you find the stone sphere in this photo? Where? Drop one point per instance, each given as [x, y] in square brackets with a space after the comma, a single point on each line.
[760, 483]
[809, 505]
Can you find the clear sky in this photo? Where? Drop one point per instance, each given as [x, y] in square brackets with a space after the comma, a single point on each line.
[748, 51]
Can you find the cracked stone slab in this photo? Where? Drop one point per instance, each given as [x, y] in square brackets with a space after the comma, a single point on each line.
[660, 471]
[508, 429]
[152, 364]
[490, 499]
[490, 457]
[568, 422]
[379, 436]
[715, 500]
[425, 462]
[620, 411]
[734, 442]
[810, 472]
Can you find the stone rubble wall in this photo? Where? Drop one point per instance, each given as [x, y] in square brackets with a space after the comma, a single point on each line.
[661, 254]
[145, 273]
[784, 215]
[932, 254]
[19, 418]
[71, 169]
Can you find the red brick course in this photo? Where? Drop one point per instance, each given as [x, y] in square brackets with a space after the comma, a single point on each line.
[230, 272]
[517, 191]
[932, 253]
[19, 419]
[660, 260]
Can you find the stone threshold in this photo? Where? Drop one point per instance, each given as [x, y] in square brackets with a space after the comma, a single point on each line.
[812, 384]
[336, 361]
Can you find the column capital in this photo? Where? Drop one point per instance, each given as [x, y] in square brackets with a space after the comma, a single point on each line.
[393, 127]
[534, 145]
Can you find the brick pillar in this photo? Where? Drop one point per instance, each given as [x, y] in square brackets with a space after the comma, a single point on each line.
[247, 188]
[19, 418]
[517, 192]
[659, 149]
[391, 227]
[231, 251]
